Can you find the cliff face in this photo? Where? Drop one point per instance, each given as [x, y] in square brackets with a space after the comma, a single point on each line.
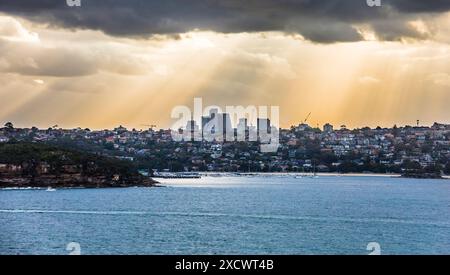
[34, 165]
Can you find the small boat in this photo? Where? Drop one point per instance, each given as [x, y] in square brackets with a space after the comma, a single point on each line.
[50, 189]
[314, 175]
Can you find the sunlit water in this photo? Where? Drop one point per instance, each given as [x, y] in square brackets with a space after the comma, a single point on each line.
[233, 215]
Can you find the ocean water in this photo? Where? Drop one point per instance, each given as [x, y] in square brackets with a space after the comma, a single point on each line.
[233, 215]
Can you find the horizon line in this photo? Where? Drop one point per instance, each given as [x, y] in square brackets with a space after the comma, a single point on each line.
[165, 129]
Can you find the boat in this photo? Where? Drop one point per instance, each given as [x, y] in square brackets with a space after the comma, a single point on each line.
[314, 175]
[49, 189]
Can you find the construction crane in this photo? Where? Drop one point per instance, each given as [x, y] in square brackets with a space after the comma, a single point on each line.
[307, 117]
[151, 126]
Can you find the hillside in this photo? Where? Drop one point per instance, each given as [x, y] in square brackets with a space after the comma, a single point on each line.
[40, 165]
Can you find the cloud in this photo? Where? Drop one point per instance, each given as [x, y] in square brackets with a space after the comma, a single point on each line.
[62, 53]
[440, 79]
[24, 53]
[368, 80]
[13, 30]
[39, 81]
[262, 64]
[37, 60]
[319, 21]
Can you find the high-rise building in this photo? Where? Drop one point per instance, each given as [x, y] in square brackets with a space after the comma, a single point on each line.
[226, 127]
[192, 131]
[242, 130]
[263, 125]
[208, 123]
[217, 126]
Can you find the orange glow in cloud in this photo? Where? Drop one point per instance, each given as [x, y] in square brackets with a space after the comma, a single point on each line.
[101, 81]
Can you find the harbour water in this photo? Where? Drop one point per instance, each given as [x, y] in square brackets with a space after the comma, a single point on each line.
[233, 215]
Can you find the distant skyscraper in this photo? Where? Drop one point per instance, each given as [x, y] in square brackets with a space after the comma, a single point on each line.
[252, 133]
[242, 130]
[192, 130]
[208, 125]
[263, 126]
[217, 126]
[226, 127]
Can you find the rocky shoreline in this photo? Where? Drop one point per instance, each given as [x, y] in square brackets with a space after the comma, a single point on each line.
[422, 176]
[24, 165]
[73, 181]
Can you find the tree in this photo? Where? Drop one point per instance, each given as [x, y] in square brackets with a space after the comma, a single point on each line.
[434, 169]
[447, 169]
[9, 125]
[412, 166]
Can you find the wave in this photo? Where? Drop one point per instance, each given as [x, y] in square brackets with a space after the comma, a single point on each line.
[230, 215]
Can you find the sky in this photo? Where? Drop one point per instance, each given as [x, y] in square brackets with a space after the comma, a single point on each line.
[111, 62]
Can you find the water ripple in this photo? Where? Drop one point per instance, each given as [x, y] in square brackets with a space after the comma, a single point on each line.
[230, 215]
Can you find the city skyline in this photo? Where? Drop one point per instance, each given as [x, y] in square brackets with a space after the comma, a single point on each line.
[348, 64]
[196, 125]
[381, 150]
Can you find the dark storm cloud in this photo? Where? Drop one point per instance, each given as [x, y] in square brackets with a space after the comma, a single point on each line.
[319, 21]
[420, 5]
